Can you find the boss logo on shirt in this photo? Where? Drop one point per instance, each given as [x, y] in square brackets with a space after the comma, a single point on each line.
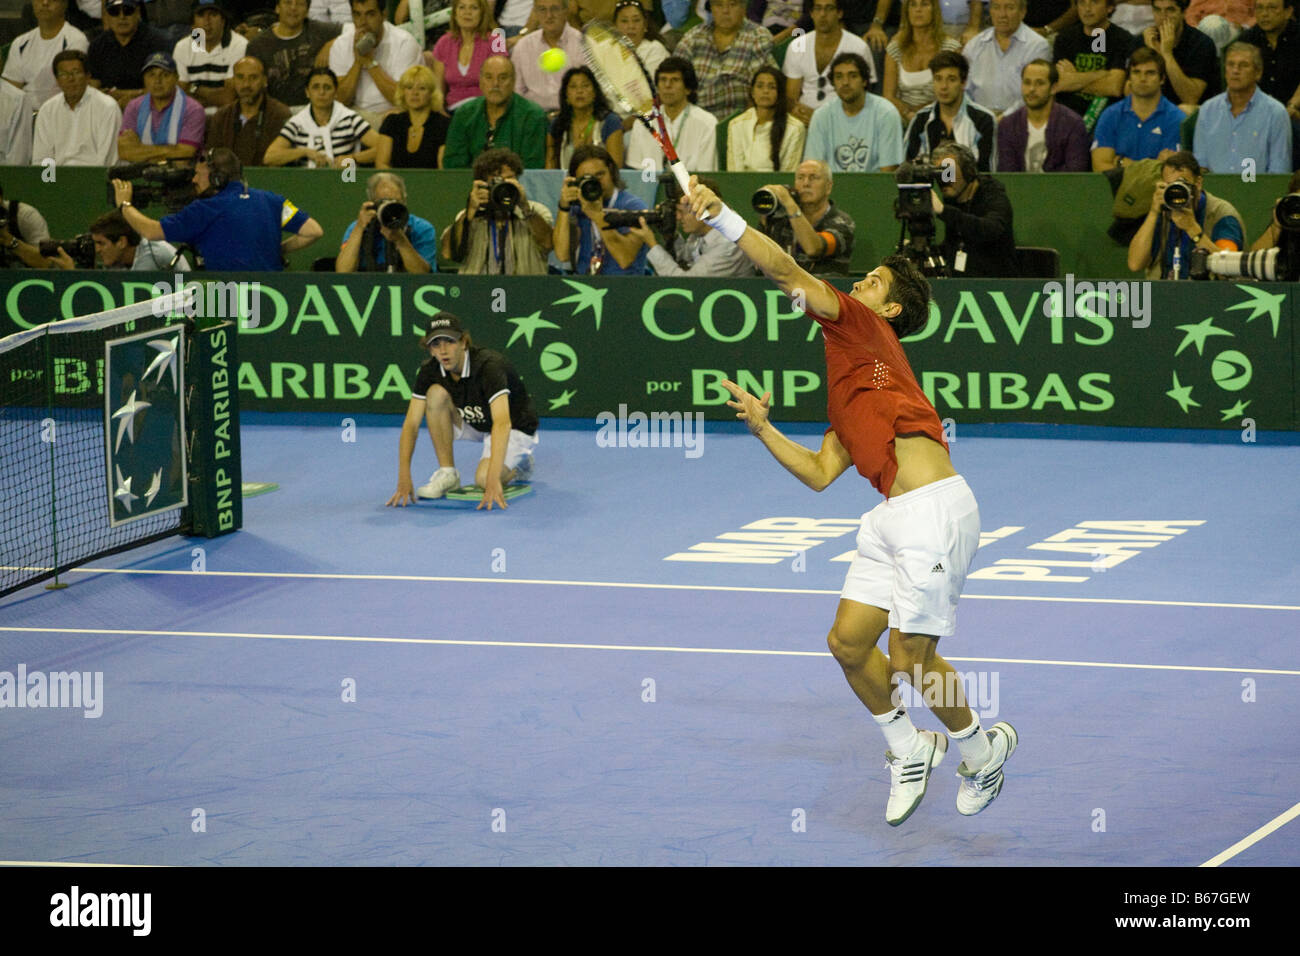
[473, 414]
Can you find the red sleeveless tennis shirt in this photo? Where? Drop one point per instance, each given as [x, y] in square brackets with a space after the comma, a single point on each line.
[872, 393]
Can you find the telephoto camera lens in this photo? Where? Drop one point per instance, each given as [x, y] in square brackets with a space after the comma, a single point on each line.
[503, 194]
[764, 202]
[1288, 212]
[590, 189]
[392, 214]
[1177, 195]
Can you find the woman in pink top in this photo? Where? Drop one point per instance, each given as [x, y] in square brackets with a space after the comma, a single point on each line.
[459, 53]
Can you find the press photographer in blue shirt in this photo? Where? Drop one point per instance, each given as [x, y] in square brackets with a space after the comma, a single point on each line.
[234, 228]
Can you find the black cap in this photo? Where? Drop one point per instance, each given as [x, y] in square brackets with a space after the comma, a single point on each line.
[444, 325]
[158, 59]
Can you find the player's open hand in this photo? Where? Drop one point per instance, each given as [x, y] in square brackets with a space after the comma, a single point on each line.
[749, 409]
[404, 495]
[492, 493]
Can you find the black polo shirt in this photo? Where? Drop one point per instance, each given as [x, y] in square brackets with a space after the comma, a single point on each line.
[1281, 65]
[485, 375]
[982, 228]
[1198, 58]
[118, 67]
[1075, 45]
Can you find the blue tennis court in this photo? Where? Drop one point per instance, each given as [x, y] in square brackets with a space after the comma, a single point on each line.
[629, 666]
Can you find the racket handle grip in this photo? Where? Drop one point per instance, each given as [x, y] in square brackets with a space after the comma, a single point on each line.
[682, 176]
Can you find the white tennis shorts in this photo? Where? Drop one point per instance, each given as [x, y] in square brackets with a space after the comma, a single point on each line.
[519, 447]
[913, 554]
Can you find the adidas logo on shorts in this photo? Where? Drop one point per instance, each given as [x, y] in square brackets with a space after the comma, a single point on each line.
[937, 569]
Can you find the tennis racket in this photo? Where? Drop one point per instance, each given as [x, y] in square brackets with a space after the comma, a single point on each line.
[624, 79]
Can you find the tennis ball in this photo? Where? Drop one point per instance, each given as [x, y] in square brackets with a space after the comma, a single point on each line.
[552, 60]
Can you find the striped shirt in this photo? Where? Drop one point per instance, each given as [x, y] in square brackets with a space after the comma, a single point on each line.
[341, 136]
[724, 76]
[208, 68]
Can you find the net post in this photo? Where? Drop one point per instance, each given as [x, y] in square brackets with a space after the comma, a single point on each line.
[216, 473]
[56, 584]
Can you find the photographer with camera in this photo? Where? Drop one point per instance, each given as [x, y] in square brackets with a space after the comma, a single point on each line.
[22, 228]
[702, 252]
[1284, 219]
[233, 227]
[589, 233]
[117, 246]
[979, 239]
[805, 222]
[384, 223]
[500, 231]
[1183, 216]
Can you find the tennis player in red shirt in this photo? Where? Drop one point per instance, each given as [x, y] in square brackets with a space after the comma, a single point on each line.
[914, 548]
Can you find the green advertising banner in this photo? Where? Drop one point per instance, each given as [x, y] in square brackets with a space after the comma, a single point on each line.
[1168, 354]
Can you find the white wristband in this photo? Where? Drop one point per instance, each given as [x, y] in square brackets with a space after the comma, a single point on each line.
[728, 222]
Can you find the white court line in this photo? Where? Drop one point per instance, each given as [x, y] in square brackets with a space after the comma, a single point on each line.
[1275, 824]
[44, 863]
[424, 578]
[760, 652]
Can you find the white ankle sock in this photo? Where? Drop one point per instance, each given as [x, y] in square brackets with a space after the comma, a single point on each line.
[899, 732]
[973, 743]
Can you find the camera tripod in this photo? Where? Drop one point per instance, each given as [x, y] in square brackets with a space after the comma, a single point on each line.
[914, 242]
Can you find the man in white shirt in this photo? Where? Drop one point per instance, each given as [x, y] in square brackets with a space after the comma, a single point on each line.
[703, 252]
[31, 56]
[807, 65]
[16, 108]
[531, 81]
[80, 127]
[999, 54]
[693, 130]
[369, 57]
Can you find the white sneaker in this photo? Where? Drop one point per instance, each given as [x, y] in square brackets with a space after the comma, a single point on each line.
[523, 470]
[440, 482]
[979, 789]
[910, 775]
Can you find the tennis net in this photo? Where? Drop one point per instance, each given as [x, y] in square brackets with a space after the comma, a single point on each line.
[57, 505]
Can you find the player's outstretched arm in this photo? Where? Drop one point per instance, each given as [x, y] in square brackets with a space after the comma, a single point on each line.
[816, 469]
[774, 262]
[405, 493]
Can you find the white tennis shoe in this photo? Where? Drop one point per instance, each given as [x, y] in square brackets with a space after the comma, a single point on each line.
[440, 482]
[911, 775]
[979, 789]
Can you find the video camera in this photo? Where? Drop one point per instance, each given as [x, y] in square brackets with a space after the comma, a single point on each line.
[913, 208]
[1279, 264]
[80, 248]
[168, 184]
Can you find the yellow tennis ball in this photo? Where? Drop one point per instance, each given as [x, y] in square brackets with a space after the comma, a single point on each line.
[552, 60]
